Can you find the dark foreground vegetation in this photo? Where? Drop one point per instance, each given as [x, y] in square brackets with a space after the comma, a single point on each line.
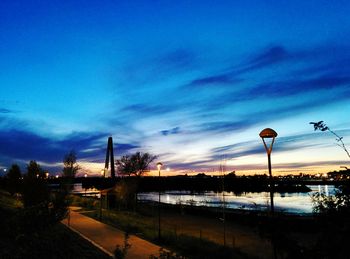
[30, 215]
[28, 234]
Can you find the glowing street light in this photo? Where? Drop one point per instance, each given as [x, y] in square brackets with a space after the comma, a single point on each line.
[269, 134]
[159, 166]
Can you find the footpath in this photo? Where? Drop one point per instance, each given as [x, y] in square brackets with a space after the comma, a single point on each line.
[106, 237]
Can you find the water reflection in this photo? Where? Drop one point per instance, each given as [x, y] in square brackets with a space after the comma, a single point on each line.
[298, 203]
[88, 192]
[288, 202]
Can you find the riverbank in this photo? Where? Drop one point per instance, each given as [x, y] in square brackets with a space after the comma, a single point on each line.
[249, 234]
[198, 184]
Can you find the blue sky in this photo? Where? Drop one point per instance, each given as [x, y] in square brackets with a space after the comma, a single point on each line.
[193, 82]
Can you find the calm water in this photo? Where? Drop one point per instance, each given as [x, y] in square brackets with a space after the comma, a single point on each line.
[298, 203]
[289, 202]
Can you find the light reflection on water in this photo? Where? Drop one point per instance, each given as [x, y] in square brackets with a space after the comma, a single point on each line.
[288, 202]
[88, 192]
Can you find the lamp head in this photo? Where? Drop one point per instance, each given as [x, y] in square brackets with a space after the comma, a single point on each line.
[268, 133]
[159, 165]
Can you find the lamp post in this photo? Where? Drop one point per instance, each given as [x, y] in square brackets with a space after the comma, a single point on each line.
[269, 134]
[159, 166]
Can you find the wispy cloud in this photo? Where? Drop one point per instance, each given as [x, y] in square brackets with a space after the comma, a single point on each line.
[161, 66]
[25, 145]
[294, 87]
[176, 59]
[223, 126]
[266, 57]
[4, 110]
[147, 109]
[172, 131]
[213, 81]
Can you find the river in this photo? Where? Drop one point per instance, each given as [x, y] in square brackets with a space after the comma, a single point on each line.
[296, 203]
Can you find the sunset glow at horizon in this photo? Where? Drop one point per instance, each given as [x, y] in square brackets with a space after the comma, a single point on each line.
[192, 82]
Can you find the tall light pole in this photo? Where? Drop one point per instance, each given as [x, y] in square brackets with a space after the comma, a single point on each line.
[159, 166]
[269, 134]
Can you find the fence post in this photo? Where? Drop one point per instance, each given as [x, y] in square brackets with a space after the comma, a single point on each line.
[176, 232]
[69, 217]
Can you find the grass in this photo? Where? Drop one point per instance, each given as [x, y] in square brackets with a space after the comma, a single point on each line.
[198, 233]
[55, 241]
[146, 226]
[9, 202]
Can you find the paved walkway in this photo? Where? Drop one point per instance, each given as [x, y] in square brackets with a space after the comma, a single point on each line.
[107, 238]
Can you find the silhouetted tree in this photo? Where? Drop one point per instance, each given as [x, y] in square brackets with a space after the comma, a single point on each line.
[41, 207]
[35, 189]
[13, 177]
[136, 164]
[125, 166]
[70, 166]
[34, 170]
[323, 127]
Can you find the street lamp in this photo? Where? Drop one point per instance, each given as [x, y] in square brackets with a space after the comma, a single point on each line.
[159, 166]
[269, 134]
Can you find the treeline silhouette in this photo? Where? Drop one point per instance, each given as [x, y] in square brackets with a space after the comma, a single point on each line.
[198, 184]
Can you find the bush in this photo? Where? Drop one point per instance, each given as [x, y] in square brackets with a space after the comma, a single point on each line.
[333, 214]
[35, 191]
